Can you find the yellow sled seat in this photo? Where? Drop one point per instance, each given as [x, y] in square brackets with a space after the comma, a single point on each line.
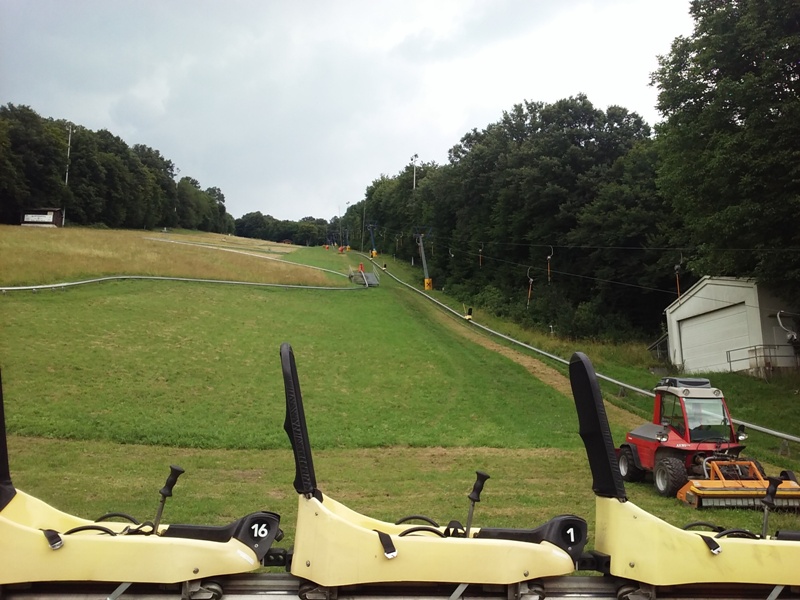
[26, 510]
[26, 556]
[646, 549]
[668, 555]
[336, 546]
[92, 554]
[39, 543]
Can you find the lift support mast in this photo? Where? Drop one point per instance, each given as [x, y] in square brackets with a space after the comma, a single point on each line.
[428, 280]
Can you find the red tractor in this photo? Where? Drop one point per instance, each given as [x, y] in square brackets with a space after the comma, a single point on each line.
[691, 425]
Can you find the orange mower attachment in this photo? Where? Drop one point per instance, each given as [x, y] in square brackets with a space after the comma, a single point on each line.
[736, 483]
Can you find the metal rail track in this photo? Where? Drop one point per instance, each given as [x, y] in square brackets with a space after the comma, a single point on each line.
[58, 286]
[278, 586]
[622, 384]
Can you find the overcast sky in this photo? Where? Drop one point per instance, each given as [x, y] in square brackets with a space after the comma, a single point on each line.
[294, 107]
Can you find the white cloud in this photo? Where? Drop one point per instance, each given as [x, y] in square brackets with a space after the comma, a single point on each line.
[294, 108]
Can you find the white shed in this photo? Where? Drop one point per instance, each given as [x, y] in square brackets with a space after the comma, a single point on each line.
[729, 324]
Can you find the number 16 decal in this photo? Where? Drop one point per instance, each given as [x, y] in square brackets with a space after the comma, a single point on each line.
[260, 530]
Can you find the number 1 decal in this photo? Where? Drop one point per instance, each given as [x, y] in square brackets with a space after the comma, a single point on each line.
[571, 534]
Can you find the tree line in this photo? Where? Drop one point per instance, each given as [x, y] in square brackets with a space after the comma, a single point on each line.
[550, 216]
[561, 215]
[97, 178]
[586, 222]
[308, 231]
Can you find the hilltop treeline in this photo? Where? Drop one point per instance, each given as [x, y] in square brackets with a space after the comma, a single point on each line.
[308, 231]
[550, 215]
[97, 178]
[562, 216]
[566, 216]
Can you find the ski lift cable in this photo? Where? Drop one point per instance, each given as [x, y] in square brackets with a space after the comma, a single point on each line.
[611, 281]
[568, 274]
[639, 248]
[481, 256]
[598, 279]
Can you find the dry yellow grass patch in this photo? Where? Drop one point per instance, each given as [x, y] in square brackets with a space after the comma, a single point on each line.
[34, 256]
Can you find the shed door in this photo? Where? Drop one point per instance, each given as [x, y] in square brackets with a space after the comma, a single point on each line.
[706, 338]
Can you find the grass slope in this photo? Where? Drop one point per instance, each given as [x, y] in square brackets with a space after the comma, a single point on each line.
[31, 256]
[194, 365]
[107, 384]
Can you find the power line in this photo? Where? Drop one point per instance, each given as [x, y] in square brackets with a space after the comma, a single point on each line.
[408, 229]
[481, 256]
[568, 274]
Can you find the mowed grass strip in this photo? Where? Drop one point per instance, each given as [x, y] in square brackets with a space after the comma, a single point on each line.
[91, 478]
[401, 409]
[40, 256]
[527, 485]
[197, 365]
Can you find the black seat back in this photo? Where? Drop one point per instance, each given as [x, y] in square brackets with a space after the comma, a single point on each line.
[7, 491]
[594, 430]
[305, 482]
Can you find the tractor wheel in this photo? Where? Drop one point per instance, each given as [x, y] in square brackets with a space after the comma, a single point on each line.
[669, 476]
[627, 466]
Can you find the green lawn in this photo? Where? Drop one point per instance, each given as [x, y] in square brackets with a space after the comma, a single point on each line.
[107, 384]
[196, 365]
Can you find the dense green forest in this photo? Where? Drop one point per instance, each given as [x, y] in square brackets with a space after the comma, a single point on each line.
[566, 215]
[550, 214]
[559, 215]
[97, 178]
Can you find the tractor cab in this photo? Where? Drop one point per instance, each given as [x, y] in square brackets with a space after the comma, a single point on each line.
[692, 410]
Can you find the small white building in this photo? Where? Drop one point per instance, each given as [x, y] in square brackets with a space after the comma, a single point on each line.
[42, 217]
[729, 324]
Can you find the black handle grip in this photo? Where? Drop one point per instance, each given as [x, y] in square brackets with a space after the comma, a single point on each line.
[174, 473]
[475, 495]
[772, 489]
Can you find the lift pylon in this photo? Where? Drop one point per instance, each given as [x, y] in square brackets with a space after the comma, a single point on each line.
[428, 281]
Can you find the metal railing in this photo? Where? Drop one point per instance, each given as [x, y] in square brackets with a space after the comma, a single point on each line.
[763, 356]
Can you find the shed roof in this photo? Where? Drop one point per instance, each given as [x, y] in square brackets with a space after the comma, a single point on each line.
[703, 282]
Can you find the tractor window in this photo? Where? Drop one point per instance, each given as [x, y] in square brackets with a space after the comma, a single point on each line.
[672, 414]
[707, 419]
